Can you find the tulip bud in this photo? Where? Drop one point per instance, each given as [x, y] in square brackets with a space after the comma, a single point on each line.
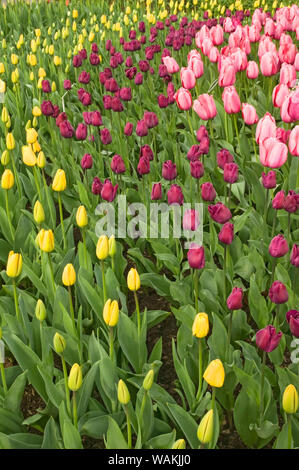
[36, 111]
[29, 157]
[59, 343]
[10, 141]
[200, 327]
[179, 444]
[267, 339]
[45, 239]
[59, 182]
[111, 312]
[0, 333]
[14, 264]
[41, 160]
[205, 428]
[40, 310]
[28, 126]
[69, 275]
[133, 280]
[290, 399]
[38, 213]
[5, 158]
[148, 380]
[112, 245]
[7, 180]
[102, 250]
[81, 217]
[75, 378]
[4, 114]
[214, 373]
[123, 393]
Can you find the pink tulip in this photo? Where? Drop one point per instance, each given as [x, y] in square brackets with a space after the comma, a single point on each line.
[293, 105]
[196, 64]
[287, 53]
[296, 63]
[183, 98]
[252, 70]
[269, 64]
[273, 153]
[249, 114]
[216, 34]
[171, 64]
[254, 33]
[227, 75]
[294, 142]
[205, 107]
[280, 92]
[284, 109]
[188, 78]
[265, 128]
[287, 75]
[214, 55]
[231, 100]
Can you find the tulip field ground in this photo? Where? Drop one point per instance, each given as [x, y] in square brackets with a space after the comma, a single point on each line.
[149, 225]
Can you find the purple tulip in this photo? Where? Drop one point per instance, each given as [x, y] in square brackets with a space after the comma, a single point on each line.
[278, 293]
[278, 246]
[196, 257]
[267, 339]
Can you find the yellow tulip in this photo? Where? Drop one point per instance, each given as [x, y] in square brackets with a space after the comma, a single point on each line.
[290, 399]
[59, 182]
[102, 250]
[57, 60]
[81, 217]
[14, 59]
[200, 327]
[75, 378]
[5, 158]
[14, 264]
[10, 141]
[41, 72]
[38, 213]
[112, 246]
[75, 13]
[111, 312]
[40, 310]
[69, 275]
[133, 280]
[214, 373]
[36, 111]
[123, 393]
[2, 86]
[45, 239]
[29, 157]
[59, 343]
[179, 444]
[2, 68]
[205, 428]
[51, 49]
[36, 147]
[148, 380]
[4, 114]
[7, 180]
[41, 160]
[31, 135]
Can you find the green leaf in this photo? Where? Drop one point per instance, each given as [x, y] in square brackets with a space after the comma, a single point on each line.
[52, 439]
[15, 394]
[71, 436]
[115, 438]
[186, 424]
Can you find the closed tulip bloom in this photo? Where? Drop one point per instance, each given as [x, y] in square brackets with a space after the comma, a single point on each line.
[231, 100]
[278, 246]
[75, 378]
[252, 70]
[111, 312]
[31, 136]
[269, 179]
[294, 258]
[205, 428]
[278, 293]
[179, 444]
[81, 217]
[7, 179]
[215, 374]
[102, 250]
[267, 339]
[200, 327]
[171, 64]
[290, 400]
[227, 75]
[123, 393]
[208, 192]
[59, 343]
[191, 220]
[292, 317]
[175, 195]
[69, 275]
[86, 162]
[141, 128]
[234, 300]
[143, 166]
[273, 153]
[188, 78]
[105, 135]
[156, 193]
[223, 157]
[5, 158]
[230, 173]
[196, 64]
[265, 128]
[294, 142]
[292, 105]
[279, 94]
[59, 182]
[40, 310]
[183, 99]
[38, 213]
[10, 141]
[45, 240]
[196, 169]
[108, 191]
[249, 114]
[269, 64]
[205, 107]
[226, 234]
[196, 256]
[220, 213]
[28, 155]
[112, 245]
[14, 264]
[128, 129]
[117, 165]
[81, 131]
[278, 200]
[133, 280]
[169, 171]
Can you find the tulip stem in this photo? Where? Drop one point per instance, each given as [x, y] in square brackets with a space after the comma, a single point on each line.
[138, 313]
[16, 300]
[236, 127]
[111, 349]
[142, 406]
[8, 214]
[199, 368]
[75, 416]
[191, 128]
[226, 126]
[84, 247]
[195, 281]
[61, 220]
[229, 333]
[289, 228]
[52, 273]
[67, 391]
[224, 271]
[104, 281]
[274, 223]
[128, 428]
[254, 144]
[273, 270]
[53, 221]
[211, 128]
[72, 308]
[3, 378]
[266, 206]
[262, 387]
[37, 183]
[289, 432]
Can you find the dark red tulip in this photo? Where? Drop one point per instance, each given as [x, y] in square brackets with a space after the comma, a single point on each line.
[86, 162]
[47, 108]
[125, 94]
[196, 257]
[278, 200]
[234, 300]
[84, 77]
[67, 84]
[162, 101]
[291, 202]
[106, 138]
[108, 191]
[269, 179]
[278, 246]
[117, 164]
[60, 118]
[146, 151]
[230, 173]
[226, 234]
[156, 192]
[151, 119]
[194, 153]
[175, 195]
[278, 293]
[196, 169]
[294, 258]
[143, 166]
[267, 339]
[81, 132]
[87, 116]
[223, 157]
[169, 171]
[128, 129]
[94, 59]
[292, 317]
[46, 87]
[220, 213]
[208, 192]
[96, 119]
[141, 128]
[97, 186]
[66, 129]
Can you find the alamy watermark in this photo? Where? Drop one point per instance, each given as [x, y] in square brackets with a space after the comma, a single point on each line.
[155, 220]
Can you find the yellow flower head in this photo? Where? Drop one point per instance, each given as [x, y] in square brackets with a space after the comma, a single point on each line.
[14, 264]
[59, 182]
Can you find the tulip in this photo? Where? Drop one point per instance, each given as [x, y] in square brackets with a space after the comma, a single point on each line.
[269, 64]
[200, 327]
[169, 171]
[269, 180]
[46, 240]
[105, 135]
[175, 195]
[226, 234]
[10, 142]
[252, 70]
[278, 293]
[118, 165]
[102, 249]
[14, 264]
[196, 169]
[123, 393]
[75, 378]
[128, 129]
[112, 246]
[29, 157]
[148, 380]
[234, 301]
[156, 193]
[294, 141]
[188, 78]
[59, 182]
[267, 339]
[111, 312]
[38, 213]
[292, 105]
[59, 343]
[205, 107]
[205, 428]
[290, 400]
[273, 153]
[40, 310]
[279, 94]
[214, 374]
[31, 136]
[231, 100]
[133, 280]
[7, 179]
[278, 200]
[86, 162]
[108, 191]
[265, 128]
[69, 275]
[291, 202]
[190, 220]
[171, 65]
[196, 257]
[81, 217]
[231, 173]
[294, 258]
[249, 114]
[292, 317]
[219, 213]
[278, 246]
[227, 75]
[208, 192]
[5, 158]
[183, 98]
